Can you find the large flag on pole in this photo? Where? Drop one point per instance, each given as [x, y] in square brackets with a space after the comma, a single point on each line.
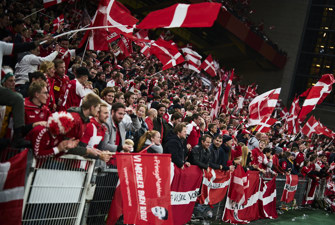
[12, 175]
[208, 66]
[317, 94]
[192, 58]
[263, 106]
[290, 188]
[182, 15]
[224, 102]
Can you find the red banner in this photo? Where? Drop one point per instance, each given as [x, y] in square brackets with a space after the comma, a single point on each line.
[290, 188]
[214, 186]
[145, 187]
[184, 192]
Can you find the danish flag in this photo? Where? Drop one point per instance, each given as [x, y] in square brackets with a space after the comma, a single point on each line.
[215, 106]
[265, 125]
[224, 101]
[192, 58]
[292, 120]
[208, 66]
[317, 94]
[251, 91]
[58, 22]
[310, 127]
[182, 15]
[263, 106]
[166, 53]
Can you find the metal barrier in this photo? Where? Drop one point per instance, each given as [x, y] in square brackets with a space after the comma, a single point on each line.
[96, 209]
[56, 190]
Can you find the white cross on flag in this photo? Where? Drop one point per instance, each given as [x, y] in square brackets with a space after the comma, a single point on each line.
[57, 22]
[310, 127]
[263, 106]
[215, 106]
[224, 102]
[167, 53]
[208, 66]
[317, 94]
[265, 125]
[12, 175]
[292, 120]
[192, 58]
[182, 15]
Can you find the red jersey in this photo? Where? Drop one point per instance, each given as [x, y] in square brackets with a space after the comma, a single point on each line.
[51, 99]
[94, 133]
[66, 55]
[259, 158]
[34, 113]
[60, 85]
[149, 123]
[299, 159]
[194, 135]
[75, 91]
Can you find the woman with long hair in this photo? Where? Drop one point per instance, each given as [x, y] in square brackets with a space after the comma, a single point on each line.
[48, 69]
[150, 142]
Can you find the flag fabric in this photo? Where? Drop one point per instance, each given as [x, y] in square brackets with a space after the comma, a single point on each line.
[290, 188]
[240, 102]
[167, 53]
[310, 192]
[184, 192]
[12, 177]
[182, 15]
[251, 91]
[115, 211]
[263, 106]
[48, 3]
[58, 22]
[215, 106]
[292, 120]
[208, 66]
[317, 94]
[269, 200]
[265, 125]
[125, 45]
[224, 102]
[214, 186]
[192, 58]
[238, 186]
[145, 188]
[310, 127]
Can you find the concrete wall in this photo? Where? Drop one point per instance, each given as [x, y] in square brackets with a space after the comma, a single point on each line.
[288, 18]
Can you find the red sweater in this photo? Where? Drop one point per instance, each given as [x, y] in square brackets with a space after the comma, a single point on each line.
[34, 113]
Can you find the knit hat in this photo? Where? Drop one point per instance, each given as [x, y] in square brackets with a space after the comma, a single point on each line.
[6, 73]
[60, 123]
[278, 150]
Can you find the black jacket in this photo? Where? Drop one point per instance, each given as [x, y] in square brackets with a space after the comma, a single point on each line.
[216, 157]
[200, 157]
[158, 123]
[177, 148]
[225, 151]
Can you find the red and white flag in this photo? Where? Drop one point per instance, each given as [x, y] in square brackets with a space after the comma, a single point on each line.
[145, 188]
[184, 192]
[310, 192]
[48, 3]
[115, 211]
[311, 126]
[192, 58]
[125, 45]
[317, 94]
[224, 102]
[58, 22]
[290, 188]
[269, 199]
[251, 91]
[263, 106]
[208, 66]
[216, 106]
[293, 126]
[265, 125]
[167, 53]
[214, 186]
[238, 186]
[12, 176]
[182, 15]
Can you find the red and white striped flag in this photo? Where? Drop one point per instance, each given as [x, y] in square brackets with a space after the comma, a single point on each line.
[292, 120]
[58, 22]
[182, 15]
[263, 106]
[238, 186]
[265, 125]
[48, 3]
[12, 175]
[269, 199]
[224, 102]
[215, 106]
[208, 66]
[310, 127]
[167, 53]
[317, 94]
[192, 58]
[290, 188]
[251, 91]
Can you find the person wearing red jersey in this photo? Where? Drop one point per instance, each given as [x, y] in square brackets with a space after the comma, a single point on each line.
[61, 79]
[65, 53]
[193, 130]
[35, 109]
[259, 160]
[275, 160]
[300, 157]
[75, 90]
[95, 131]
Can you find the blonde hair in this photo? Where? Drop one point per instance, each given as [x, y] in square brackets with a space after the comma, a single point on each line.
[245, 152]
[147, 135]
[46, 66]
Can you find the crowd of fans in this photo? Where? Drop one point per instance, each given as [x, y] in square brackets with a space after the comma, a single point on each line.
[94, 103]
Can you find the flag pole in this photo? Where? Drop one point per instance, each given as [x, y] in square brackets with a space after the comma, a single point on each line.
[33, 13]
[80, 30]
[82, 58]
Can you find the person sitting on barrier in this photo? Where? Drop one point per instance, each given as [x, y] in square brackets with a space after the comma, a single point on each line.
[95, 132]
[117, 127]
[150, 142]
[176, 146]
[200, 154]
